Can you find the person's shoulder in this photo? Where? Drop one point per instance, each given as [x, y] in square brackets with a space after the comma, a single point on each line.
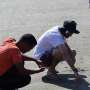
[54, 27]
[9, 40]
[13, 49]
[12, 46]
[50, 31]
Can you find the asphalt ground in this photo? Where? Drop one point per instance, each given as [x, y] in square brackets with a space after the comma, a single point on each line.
[18, 17]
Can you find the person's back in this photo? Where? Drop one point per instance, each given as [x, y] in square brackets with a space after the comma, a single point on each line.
[13, 75]
[48, 40]
[6, 53]
[52, 47]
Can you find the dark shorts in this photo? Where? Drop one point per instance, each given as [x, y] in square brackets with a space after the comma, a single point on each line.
[46, 58]
[11, 80]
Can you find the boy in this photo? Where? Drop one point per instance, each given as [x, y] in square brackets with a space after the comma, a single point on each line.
[13, 75]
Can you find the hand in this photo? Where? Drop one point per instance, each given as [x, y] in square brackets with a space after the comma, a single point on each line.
[39, 63]
[77, 76]
[42, 69]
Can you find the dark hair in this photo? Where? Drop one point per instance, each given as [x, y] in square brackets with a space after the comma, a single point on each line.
[62, 30]
[70, 25]
[29, 39]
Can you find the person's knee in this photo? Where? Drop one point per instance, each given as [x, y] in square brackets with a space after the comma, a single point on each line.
[57, 55]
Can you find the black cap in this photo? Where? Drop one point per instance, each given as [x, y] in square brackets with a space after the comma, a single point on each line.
[70, 25]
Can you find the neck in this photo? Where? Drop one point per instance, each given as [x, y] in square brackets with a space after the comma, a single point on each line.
[62, 31]
[18, 45]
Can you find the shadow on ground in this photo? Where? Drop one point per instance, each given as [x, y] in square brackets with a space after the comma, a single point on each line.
[68, 81]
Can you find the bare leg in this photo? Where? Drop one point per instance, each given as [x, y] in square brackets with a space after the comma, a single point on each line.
[57, 57]
[53, 65]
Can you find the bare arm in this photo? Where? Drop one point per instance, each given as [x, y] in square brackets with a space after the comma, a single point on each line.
[23, 71]
[26, 58]
[71, 63]
[17, 60]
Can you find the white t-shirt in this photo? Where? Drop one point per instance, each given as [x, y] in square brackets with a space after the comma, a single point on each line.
[47, 41]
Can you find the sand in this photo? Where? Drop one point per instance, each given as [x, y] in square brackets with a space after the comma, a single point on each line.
[36, 16]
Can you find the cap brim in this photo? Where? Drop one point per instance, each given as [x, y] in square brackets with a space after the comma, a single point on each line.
[76, 32]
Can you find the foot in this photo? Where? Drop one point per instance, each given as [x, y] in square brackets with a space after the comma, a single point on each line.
[53, 71]
[51, 75]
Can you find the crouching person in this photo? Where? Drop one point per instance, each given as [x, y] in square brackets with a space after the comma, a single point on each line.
[52, 48]
[13, 74]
